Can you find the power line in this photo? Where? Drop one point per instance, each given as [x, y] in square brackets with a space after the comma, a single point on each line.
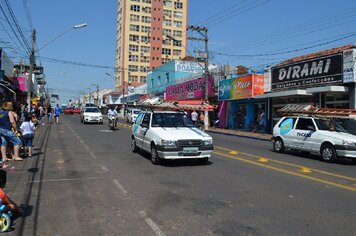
[289, 51]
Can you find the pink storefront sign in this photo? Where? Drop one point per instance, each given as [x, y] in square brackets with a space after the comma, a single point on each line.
[189, 90]
[20, 82]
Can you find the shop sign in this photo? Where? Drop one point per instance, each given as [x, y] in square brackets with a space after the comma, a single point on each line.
[189, 90]
[308, 73]
[349, 71]
[188, 66]
[242, 87]
[21, 83]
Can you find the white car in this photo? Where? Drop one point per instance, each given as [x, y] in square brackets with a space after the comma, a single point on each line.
[316, 135]
[170, 135]
[132, 115]
[91, 115]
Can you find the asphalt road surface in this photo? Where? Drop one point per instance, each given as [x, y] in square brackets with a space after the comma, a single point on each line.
[84, 180]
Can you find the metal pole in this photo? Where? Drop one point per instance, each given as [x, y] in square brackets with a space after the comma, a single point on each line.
[206, 121]
[32, 65]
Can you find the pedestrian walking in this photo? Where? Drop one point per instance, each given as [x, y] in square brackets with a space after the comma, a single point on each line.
[27, 129]
[8, 131]
[57, 112]
[49, 114]
[202, 120]
[194, 116]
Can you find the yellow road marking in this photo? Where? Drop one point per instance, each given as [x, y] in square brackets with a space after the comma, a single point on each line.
[290, 164]
[287, 172]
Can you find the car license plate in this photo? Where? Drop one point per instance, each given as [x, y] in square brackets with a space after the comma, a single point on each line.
[190, 150]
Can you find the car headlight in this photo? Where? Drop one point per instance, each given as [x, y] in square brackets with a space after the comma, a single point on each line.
[348, 143]
[208, 142]
[169, 143]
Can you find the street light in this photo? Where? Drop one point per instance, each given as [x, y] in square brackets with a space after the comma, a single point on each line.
[79, 26]
[32, 56]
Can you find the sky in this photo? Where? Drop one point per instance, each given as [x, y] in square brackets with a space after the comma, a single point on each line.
[252, 33]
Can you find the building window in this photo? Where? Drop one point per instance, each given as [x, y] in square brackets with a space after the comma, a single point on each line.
[144, 59]
[177, 52]
[167, 22]
[167, 13]
[178, 14]
[134, 38]
[177, 24]
[134, 18]
[133, 78]
[145, 49]
[145, 29]
[145, 39]
[167, 42]
[167, 3]
[133, 68]
[143, 79]
[143, 69]
[167, 32]
[133, 48]
[146, 10]
[166, 51]
[178, 5]
[135, 0]
[133, 58]
[177, 43]
[146, 19]
[177, 33]
[135, 8]
[146, 1]
[135, 28]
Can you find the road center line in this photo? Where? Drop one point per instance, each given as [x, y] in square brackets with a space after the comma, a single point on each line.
[103, 167]
[116, 182]
[152, 224]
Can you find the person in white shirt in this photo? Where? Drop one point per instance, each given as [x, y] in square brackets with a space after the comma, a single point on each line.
[27, 129]
[194, 116]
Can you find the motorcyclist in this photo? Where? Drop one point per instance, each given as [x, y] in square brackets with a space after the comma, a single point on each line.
[112, 113]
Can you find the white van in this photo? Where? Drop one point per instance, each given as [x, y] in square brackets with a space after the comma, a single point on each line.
[324, 136]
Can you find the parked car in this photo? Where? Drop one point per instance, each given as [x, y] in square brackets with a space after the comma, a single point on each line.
[132, 115]
[76, 110]
[91, 115]
[68, 110]
[323, 136]
[170, 135]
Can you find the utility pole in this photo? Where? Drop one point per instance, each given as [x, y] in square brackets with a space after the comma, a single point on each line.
[97, 95]
[32, 65]
[203, 31]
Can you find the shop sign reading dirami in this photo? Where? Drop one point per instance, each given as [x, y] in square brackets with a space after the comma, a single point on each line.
[308, 73]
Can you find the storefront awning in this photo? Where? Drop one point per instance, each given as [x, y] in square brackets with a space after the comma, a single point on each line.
[185, 105]
[325, 89]
[295, 92]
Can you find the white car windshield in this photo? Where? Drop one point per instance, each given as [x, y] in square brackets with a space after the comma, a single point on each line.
[171, 120]
[93, 109]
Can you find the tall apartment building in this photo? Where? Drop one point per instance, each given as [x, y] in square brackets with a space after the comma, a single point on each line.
[142, 44]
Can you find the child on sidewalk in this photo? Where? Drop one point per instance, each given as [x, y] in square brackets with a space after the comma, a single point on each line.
[27, 129]
[10, 205]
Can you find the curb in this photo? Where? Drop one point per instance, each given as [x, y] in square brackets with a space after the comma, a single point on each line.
[239, 135]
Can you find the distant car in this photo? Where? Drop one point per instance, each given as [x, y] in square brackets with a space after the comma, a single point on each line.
[132, 115]
[76, 110]
[68, 111]
[91, 115]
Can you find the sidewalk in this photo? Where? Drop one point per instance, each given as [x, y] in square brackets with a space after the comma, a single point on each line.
[238, 133]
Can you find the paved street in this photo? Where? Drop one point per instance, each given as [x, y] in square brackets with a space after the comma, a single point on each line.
[84, 180]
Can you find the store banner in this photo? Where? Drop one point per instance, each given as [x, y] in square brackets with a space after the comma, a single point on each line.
[308, 73]
[189, 90]
[21, 83]
[349, 65]
[242, 87]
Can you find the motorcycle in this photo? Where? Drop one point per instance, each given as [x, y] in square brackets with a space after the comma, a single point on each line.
[112, 122]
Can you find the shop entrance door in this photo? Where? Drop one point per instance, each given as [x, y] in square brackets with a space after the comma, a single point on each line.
[240, 118]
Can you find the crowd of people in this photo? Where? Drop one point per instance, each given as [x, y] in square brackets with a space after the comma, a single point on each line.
[18, 124]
